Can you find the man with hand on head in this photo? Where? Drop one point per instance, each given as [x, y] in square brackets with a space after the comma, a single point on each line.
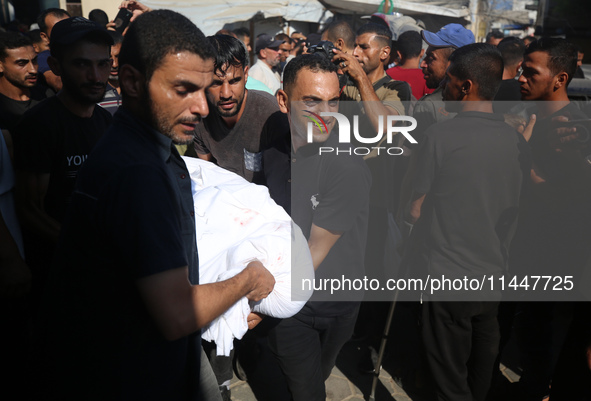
[330, 205]
[128, 253]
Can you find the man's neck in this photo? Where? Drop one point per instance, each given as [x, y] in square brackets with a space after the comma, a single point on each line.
[115, 84]
[509, 73]
[476, 104]
[376, 74]
[231, 122]
[14, 92]
[410, 63]
[77, 108]
[550, 106]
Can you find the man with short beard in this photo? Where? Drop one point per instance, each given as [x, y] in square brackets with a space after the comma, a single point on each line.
[18, 76]
[267, 50]
[125, 308]
[227, 136]
[54, 138]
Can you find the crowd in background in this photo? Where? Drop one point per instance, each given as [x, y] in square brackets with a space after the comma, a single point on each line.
[99, 264]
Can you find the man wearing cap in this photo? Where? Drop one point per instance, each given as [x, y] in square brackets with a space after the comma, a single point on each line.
[54, 138]
[268, 57]
[430, 109]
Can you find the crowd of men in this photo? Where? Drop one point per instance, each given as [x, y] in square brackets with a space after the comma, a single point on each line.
[100, 270]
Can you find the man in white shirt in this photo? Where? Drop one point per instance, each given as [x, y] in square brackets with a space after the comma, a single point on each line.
[267, 49]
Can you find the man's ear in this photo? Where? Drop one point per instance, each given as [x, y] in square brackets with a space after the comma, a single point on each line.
[385, 53]
[283, 101]
[44, 38]
[55, 66]
[132, 81]
[340, 43]
[467, 87]
[246, 69]
[561, 80]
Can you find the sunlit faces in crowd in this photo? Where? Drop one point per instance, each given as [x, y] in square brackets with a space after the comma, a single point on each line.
[177, 97]
[19, 67]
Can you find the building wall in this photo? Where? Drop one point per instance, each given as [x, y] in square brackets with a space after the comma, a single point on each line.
[111, 7]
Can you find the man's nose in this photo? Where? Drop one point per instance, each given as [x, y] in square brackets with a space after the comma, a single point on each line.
[199, 104]
[225, 91]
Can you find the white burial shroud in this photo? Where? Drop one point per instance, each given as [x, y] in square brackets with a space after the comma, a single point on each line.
[237, 222]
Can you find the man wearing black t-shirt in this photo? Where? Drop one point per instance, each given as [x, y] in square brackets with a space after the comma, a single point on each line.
[466, 197]
[509, 93]
[18, 77]
[330, 204]
[241, 123]
[125, 308]
[54, 138]
[554, 230]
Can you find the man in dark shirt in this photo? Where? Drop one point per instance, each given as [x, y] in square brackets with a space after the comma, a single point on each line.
[554, 228]
[54, 138]
[128, 255]
[509, 93]
[330, 204]
[466, 193]
[18, 77]
[430, 108]
[242, 123]
[46, 21]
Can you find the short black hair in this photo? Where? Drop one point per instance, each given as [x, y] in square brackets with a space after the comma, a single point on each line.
[34, 35]
[229, 51]
[409, 44]
[341, 29]
[99, 16]
[242, 32]
[284, 37]
[155, 35]
[512, 49]
[12, 40]
[382, 33]
[495, 33]
[312, 62]
[562, 55]
[56, 12]
[481, 63]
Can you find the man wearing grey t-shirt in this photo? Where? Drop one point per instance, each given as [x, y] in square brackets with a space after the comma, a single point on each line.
[242, 123]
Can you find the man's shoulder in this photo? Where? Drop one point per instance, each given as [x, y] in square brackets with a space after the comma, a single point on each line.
[436, 96]
[262, 99]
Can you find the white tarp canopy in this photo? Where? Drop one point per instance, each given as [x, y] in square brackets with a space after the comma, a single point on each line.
[210, 16]
[447, 8]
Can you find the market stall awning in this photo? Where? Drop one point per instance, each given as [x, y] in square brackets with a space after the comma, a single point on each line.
[210, 16]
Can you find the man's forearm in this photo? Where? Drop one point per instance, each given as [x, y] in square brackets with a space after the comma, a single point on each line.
[180, 308]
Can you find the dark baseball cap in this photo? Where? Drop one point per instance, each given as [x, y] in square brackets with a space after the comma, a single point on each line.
[267, 41]
[451, 35]
[69, 30]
